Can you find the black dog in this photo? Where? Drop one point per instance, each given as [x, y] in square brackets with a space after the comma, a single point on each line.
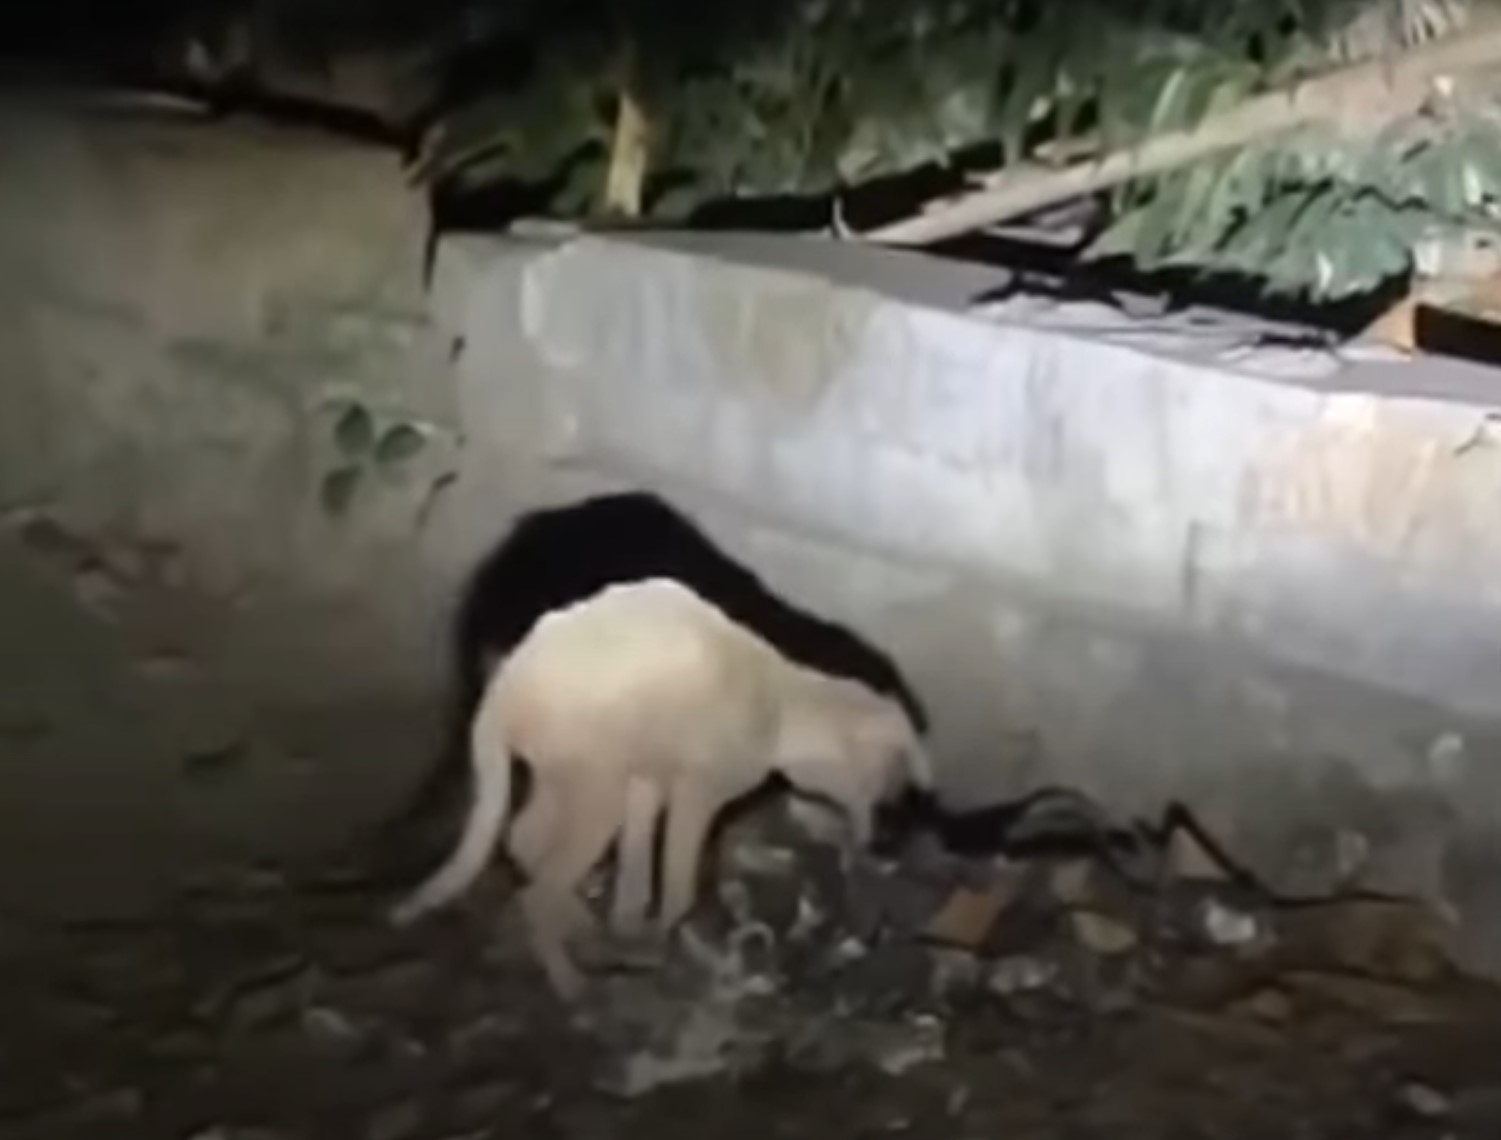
[562, 555]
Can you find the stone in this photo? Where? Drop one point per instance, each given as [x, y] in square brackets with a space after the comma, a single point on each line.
[816, 822]
[1072, 882]
[332, 1030]
[708, 1040]
[488, 1029]
[1020, 974]
[811, 920]
[98, 591]
[954, 970]
[1424, 1101]
[394, 1122]
[895, 898]
[1102, 934]
[1268, 1004]
[1226, 926]
[922, 1042]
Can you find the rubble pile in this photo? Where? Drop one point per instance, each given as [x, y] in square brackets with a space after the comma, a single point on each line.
[921, 992]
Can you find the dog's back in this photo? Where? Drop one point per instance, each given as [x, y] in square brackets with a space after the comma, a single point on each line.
[559, 556]
[645, 674]
[562, 555]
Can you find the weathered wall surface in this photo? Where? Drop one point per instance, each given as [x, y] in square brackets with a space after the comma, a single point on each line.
[195, 652]
[1136, 562]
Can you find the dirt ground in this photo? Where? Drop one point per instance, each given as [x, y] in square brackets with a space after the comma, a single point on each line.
[1050, 998]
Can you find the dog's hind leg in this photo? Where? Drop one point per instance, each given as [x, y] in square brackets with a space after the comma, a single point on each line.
[691, 809]
[534, 826]
[635, 858]
[589, 816]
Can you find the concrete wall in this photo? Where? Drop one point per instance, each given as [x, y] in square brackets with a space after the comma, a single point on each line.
[1131, 554]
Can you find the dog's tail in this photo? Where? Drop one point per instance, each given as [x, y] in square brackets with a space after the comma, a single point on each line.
[491, 760]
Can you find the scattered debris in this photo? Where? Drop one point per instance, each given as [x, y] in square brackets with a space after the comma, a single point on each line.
[1020, 974]
[921, 993]
[1228, 926]
[1102, 934]
[968, 915]
[1188, 859]
[1424, 1101]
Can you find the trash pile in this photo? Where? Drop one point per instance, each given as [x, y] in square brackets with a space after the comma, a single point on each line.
[811, 961]
[922, 984]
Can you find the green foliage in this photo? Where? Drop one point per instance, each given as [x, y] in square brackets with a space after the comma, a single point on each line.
[808, 96]
[364, 447]
[336, 492]
[397, 444]
[355, 431]
[1317, 214]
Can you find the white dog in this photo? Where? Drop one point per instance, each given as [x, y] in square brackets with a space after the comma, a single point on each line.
[642, 699]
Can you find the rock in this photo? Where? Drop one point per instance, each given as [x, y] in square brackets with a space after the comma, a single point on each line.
[98, 591]
[332, 1031]
[845, 951]
[817, 822]
[486, 1030]
[1423, 1101]
[811, 921]
[1021, 974]
[892, 1045]
[708, 1039]
[878, 897]
[394, 1122]
[887, 980]
[922, 1041]
[925, 858]
[255, 1007]
[1268, 1004]
[1226, 926]
[1072, 882]
[954, 970]
[1102, 934]
[749, 855]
